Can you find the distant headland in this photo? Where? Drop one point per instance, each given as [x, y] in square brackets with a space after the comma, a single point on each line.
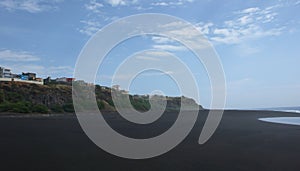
[25, 93]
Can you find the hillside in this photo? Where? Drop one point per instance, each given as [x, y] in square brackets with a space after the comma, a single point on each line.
[57, 98]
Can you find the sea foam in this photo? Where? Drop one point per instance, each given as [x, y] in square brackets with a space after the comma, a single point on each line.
[282, 120]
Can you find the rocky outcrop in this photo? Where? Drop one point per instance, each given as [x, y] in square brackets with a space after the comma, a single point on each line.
[58, 98]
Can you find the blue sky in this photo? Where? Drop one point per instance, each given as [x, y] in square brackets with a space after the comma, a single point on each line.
[257, 42]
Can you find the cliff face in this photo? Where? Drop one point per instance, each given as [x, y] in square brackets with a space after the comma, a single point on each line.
[57, 98]
[36, 94]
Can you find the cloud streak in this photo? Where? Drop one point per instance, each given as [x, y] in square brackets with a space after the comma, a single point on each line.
[90, 27]
[171, 3]
[23, 61]
[42, 71]
[115, 3]
[94, 6]
[247, 24]
[169, 47]
[17, 56]
[31, 6]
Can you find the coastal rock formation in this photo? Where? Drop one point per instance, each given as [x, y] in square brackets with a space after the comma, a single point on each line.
[57, 98]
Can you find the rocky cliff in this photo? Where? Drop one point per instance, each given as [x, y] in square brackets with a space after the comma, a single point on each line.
[57, 98]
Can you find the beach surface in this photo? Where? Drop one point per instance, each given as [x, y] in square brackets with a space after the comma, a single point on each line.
[241, 142]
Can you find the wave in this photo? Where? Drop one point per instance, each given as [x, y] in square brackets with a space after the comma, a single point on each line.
[282, 120]
[290, 111]
[285, 109]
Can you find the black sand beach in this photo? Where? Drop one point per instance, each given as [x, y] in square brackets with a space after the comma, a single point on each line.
[241, 142]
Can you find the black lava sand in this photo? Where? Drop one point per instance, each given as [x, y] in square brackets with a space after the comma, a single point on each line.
[241, 142]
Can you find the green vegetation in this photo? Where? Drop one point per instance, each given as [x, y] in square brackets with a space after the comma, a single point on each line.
[140, 104]
[56, 108]
[68, 107]
[40, 109]
[31, 98]
[57, 98]
[22, 107]
[100, 104]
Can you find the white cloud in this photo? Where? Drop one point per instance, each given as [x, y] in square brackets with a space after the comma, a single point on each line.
[153, 55]
[160, 4]
[160, 39]
[250, 10]
[115, 3]
[22, 61]
[17, 56]
[250, 23]
[157, 53]
[187, 34]
[32, 6]
[94, 6]
[204, 28]
[147, 58]
[172, 3]
[90, 27]
[245, 20]
[42, 71]
[169, 47]
[234, 36]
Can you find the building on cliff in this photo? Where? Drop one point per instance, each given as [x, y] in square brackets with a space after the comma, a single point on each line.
[5, 72]
[7, 75]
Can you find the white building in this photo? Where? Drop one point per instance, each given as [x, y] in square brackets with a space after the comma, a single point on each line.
[5, 73]
[7, 76]
[62, 79]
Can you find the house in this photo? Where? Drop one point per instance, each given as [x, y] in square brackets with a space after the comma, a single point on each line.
[23, 77]
[39, 79]
[16, 76]
[65, 79]
[62, 79]
[47, 80]
[5, 73]
[70, 80]
[7, 76]
[29, 75]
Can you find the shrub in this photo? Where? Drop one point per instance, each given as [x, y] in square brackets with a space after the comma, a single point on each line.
[57, 109]
[22, 107]
[100, 104]
[140, 104]
[68, 107]
[40, 109]
[19, 107]
[111, 103]
[5, 106]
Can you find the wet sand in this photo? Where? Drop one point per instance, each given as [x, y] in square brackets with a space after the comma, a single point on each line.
[241, 142]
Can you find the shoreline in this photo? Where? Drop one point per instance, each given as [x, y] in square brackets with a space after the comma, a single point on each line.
[109, 112]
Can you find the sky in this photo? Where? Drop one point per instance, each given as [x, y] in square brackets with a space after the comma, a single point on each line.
[256, 41]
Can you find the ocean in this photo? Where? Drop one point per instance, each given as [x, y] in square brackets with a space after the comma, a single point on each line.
[284, 109]
[283, 119]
